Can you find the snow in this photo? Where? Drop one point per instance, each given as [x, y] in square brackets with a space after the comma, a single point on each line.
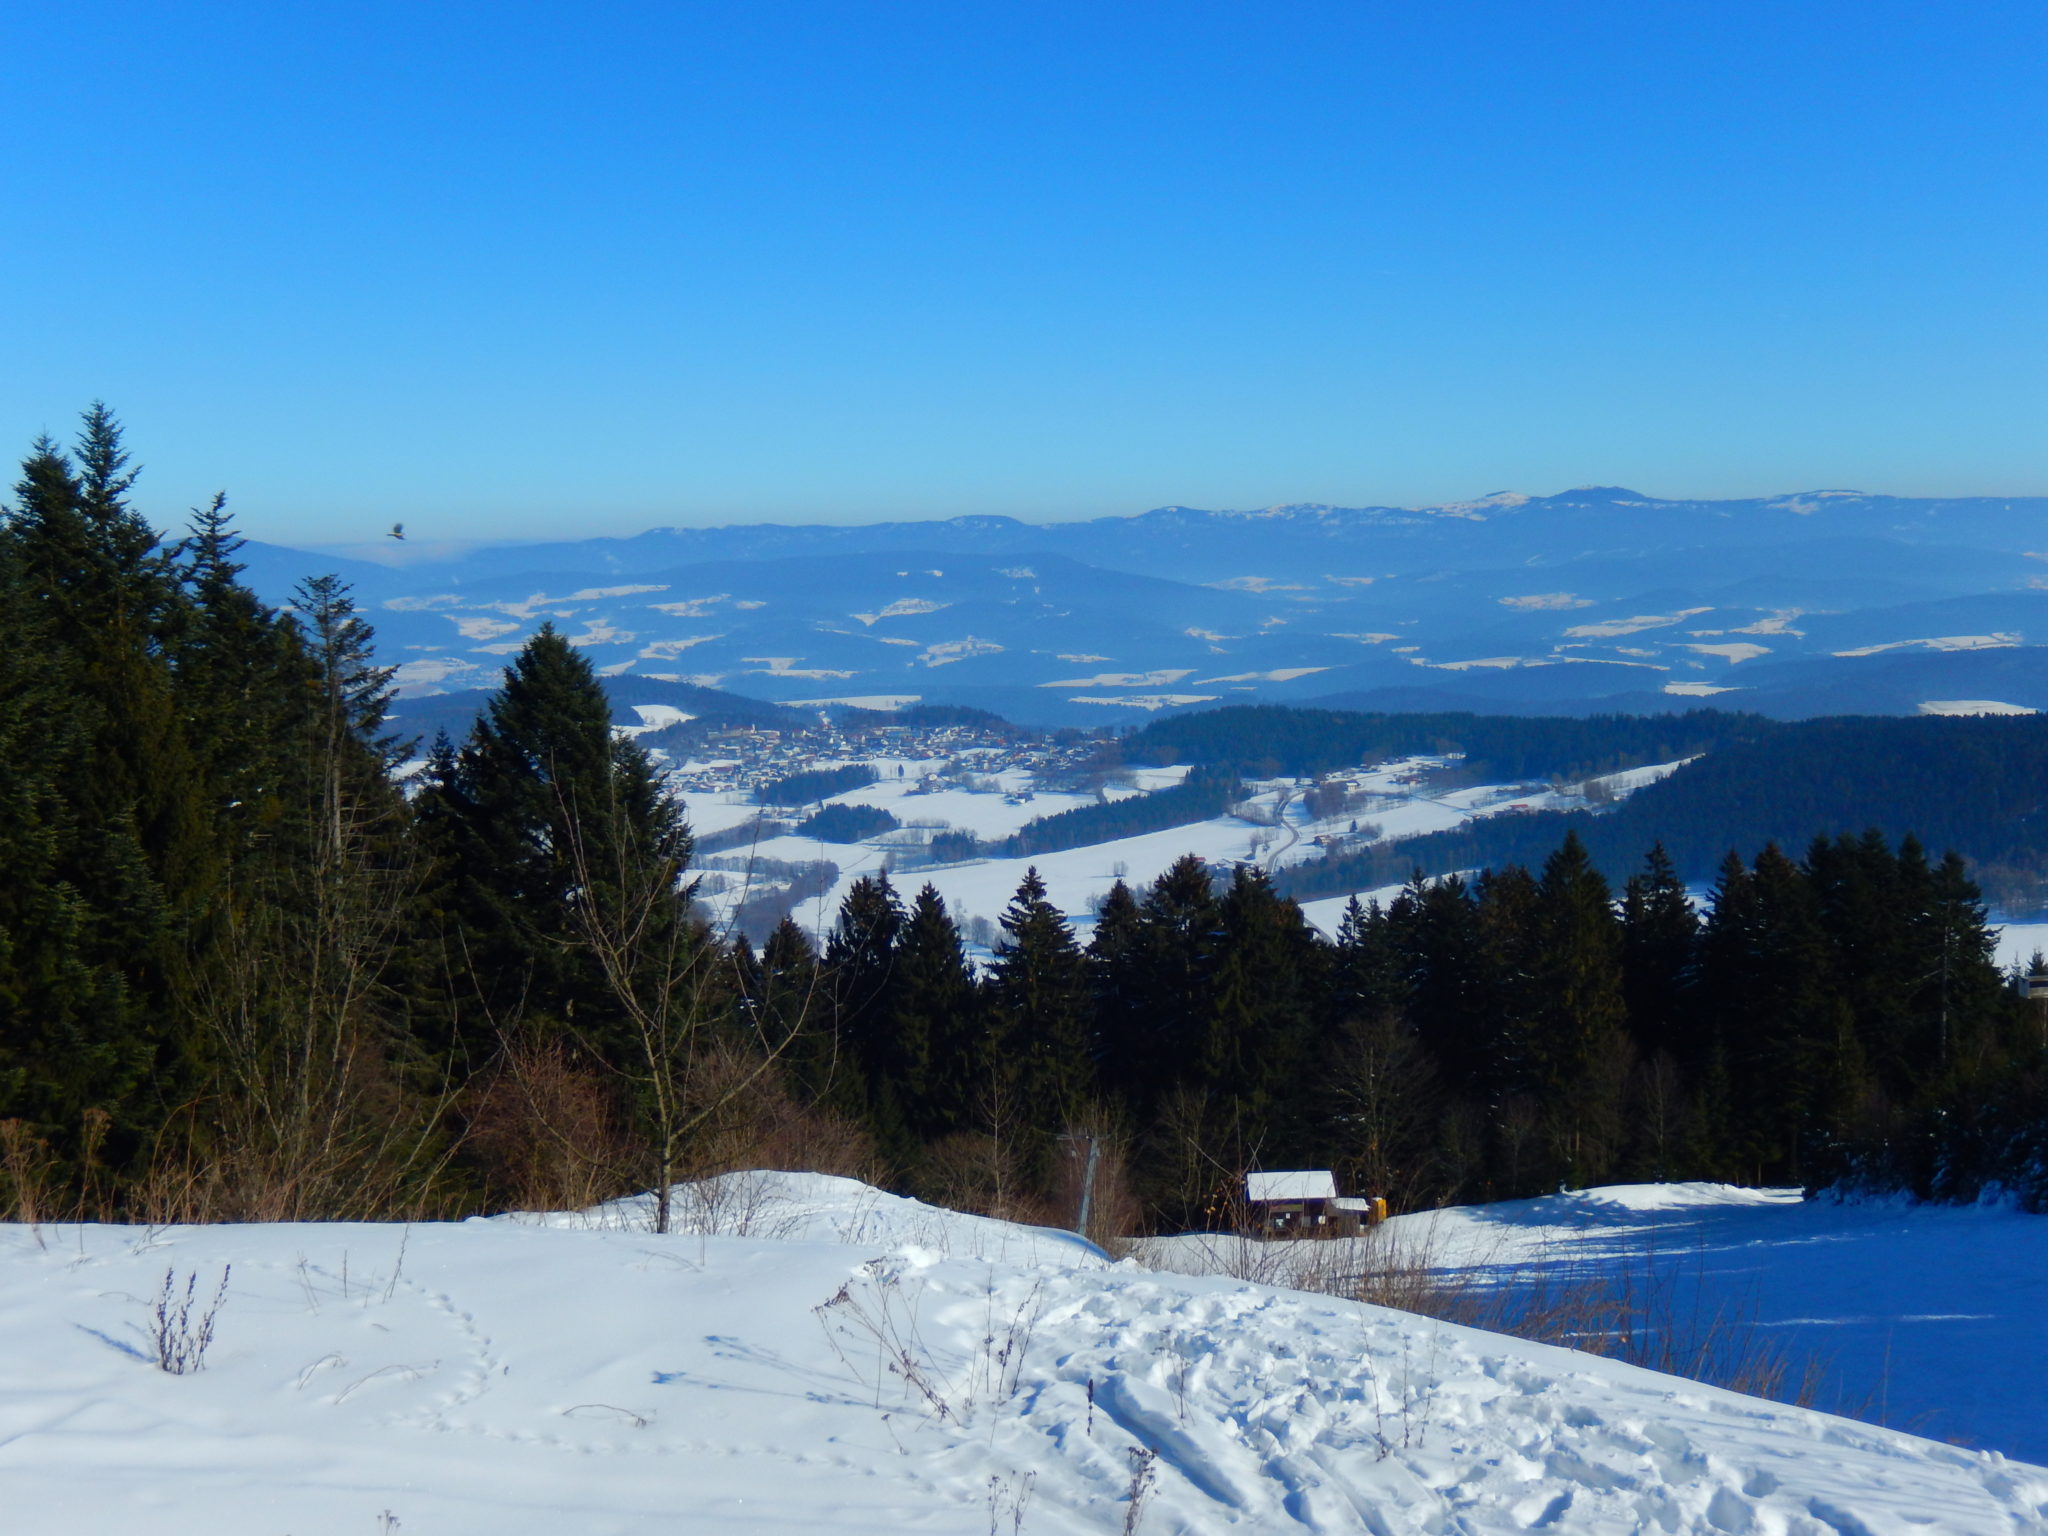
[864, 1365]
[1997, 640]
[654, 717]
[1933, 1317]
[1972, 707]
[1398, 798]
[1301, 1184]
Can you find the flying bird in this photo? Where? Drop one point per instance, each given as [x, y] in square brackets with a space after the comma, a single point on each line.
[397, 531]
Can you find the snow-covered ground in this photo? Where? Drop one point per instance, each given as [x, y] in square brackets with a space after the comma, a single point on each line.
[861, 1364]
[1390, 800]
[1933, 1318]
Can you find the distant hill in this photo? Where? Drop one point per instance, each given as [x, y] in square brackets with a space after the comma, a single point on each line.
[1599, 600]
[1978, 786]
[708, 707]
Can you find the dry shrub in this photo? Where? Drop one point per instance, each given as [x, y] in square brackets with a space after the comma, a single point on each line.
[970, 1171]
[757, 1123]
[545, 1133]
[354, 1151]
[29, 1169]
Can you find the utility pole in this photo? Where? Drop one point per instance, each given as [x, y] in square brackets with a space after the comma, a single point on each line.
[1094, 1152]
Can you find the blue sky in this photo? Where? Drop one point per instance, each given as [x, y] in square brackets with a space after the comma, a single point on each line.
[512, 270]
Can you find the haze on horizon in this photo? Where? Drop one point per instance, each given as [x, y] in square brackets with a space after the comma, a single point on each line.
[516, 272]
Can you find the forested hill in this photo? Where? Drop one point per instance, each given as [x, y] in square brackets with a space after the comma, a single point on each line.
[1262, 740]
[706, 708]
[1978, 785]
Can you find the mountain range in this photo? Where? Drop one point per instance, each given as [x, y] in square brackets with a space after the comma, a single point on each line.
[1593, 600]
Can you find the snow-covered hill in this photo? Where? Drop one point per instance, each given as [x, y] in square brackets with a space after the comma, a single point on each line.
[857, 1363]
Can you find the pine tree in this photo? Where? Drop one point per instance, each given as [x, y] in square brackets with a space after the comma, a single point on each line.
[932, 1061]
[1578, 1055]
[860, 959]
[132, 864]
[1266, 995]
[1659, 934]
[1039, 987]
[1179, 937]
[547, 822]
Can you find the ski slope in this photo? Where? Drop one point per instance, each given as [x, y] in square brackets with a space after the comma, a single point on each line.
[831, 1359]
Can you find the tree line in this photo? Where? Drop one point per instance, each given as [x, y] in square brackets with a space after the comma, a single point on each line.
[1979, 785]
[250, 970]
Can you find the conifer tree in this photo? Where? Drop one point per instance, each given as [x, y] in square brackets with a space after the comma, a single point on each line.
[1039, 988]
[1365, 967]
[1578, 1055]
[1120, 1043]
[1659, 933]
[132, 862]
[860, 958]
[1265, 1001]
[1179, 936]
[243, 683]
[791, 1004]
[932, 1061]
[547, 820]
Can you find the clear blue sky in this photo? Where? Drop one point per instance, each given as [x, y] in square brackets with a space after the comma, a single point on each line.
[519, 269]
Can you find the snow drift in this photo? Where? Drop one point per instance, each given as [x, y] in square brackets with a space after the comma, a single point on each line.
[858, 1363]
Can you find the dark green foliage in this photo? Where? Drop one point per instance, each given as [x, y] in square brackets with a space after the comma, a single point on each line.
[1267, 995]
[935, 1052]
[1975, 784]
[1039, 993]
[847, 823]
[1202, 795]
[815, 784]
[860, 961]
[541, 825]
[951, 846]
[1268, 740]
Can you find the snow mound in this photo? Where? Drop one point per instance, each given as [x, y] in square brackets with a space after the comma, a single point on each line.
[532, 1376]
[825, 1208]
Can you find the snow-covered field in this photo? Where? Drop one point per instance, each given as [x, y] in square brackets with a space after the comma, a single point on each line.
[857, 1363]
[1393, 800]
[1933, 1318]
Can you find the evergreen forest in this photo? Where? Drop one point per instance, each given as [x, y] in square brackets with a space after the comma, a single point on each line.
[248, 974]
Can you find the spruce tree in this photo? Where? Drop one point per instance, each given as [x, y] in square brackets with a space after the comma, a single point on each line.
[548, 826]
[1265, 1000]
[1039, 987]
[931, 1062]
[860, 958]
[1578, 1055]
[1179, 938]
[1659, 934]
[132, 860]
[1120, 1042]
